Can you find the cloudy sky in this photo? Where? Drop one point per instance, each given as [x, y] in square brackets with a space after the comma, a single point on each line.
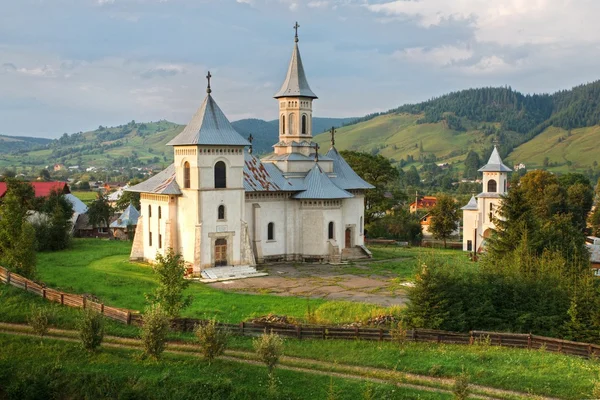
[71, 65]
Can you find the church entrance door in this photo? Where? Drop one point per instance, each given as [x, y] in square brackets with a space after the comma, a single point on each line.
[348, 238]
[220, 252]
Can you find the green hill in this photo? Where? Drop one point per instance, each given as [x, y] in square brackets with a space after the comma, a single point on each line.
[10, 144]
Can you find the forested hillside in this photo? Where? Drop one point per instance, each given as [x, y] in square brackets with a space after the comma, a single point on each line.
[9, 144]
[447, 127]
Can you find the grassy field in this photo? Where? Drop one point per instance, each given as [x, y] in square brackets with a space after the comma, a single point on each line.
[103, 269]
[531, 371]
[86, 196]
[30, 369]
[580, 149]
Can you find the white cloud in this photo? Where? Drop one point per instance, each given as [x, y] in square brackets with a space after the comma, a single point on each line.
[507, 22]
[318, 4]
[439, 56]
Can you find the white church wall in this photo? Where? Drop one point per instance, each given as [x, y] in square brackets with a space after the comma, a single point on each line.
[153, 225]
[469, 226]
[353, 211]
[187, 208]
[314, 231]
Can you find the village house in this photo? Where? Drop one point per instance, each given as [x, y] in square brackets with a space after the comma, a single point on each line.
[219, 205]
[424, 203]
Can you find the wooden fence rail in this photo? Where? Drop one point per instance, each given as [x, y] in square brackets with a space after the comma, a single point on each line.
[130, 317]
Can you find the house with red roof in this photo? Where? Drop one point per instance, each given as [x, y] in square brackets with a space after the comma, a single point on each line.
[41, 189]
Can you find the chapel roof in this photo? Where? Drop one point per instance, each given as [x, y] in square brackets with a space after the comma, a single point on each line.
[345, 177]
[320, 186]
[162, 183]
[209, 126]
[295, 83]
[129, 217]
[495, 163]
[471, 205]
[79, 206]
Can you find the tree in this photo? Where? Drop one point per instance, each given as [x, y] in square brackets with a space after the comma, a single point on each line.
[126, 199]
[44, 175]
[472, 163]
[379, 172]
[17, 236]
[412, 177]
[399, 225]
[53, 225]
[99, 211]
[171, 283]
[155, 329]
[444, 218]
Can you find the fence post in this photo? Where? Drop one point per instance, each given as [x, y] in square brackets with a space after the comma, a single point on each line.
[299, 331]
[356, 332]
[560, 347]
[84, 301]
[8, 277]
[529, 341]
[128, 317]
[242, 327]
[471, 338]
[25, 285]
[324, 332]
[62, 299]
[413, 335]
[43, 293]
[102, 308]
[589, 350]
[380, 334]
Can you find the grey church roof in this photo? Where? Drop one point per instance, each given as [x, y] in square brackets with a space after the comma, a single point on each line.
[495, 163]
[319, 186]
[295, 157]
[129, 217]
[264, 177]
[162, 183]
[295, 83]
[345, 178]
[209, 126]
[471, 205]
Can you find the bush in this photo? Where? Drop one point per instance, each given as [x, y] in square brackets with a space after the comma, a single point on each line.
[171, 283]
[154, 331]
[268, 347]
[38, 320]
[91, 329]
[460, 389]
[212, 340]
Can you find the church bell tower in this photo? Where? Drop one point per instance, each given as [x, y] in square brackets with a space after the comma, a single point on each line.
[295, 106]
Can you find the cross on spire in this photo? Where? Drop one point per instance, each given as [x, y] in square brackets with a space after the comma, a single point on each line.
[496, 142]
[296, 26]
[332, 136]
[317, 152]
[250, 139]
[208, 89]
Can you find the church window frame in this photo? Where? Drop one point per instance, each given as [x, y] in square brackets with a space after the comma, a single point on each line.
[304, 124]
[492, 186]
[159, 212]
[331, 231]
[361, 225]
[159, 241]
[292, 123]
[220, 175]
[469, 245]
[150, 239]
[283, 124]
[221, 213]
[271, 231]
[186, 175]
[149, 210]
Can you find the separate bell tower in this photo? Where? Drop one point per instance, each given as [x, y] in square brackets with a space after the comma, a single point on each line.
[295, 107]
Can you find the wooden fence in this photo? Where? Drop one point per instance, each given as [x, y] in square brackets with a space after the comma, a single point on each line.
[524, 341]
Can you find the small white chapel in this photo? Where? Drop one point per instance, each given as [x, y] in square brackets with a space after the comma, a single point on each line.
[220, 205]
[479, 213]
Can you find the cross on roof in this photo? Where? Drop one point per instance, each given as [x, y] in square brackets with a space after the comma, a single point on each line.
[317, 152]
[332, 136]
[250, 139]
[496, 142]
[208, 89]
[296, 29]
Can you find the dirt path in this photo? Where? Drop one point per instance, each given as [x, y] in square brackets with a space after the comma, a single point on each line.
[298, 364]
[321, 281]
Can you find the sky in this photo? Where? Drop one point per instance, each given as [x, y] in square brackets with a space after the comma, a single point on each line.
[72, 65]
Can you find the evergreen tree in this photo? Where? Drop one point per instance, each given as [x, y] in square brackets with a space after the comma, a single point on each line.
[100, 211]
[472, 164]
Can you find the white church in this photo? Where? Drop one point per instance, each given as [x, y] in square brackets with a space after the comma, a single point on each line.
[479, 213]
[219, 205]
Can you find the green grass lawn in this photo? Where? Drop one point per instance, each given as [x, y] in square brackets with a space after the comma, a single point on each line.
[86, 196]
[30, 369]
[102, 268]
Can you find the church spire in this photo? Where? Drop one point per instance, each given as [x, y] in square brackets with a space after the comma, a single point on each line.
[295, 83]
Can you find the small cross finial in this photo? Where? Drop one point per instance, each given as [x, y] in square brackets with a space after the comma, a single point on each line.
[496, 142]
[208, 89]
[296, 26]
[317, 152]
[332, 136]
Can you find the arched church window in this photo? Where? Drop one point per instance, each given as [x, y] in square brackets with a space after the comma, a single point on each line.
[304, 124]
[149, 211]
[271, 231]
[492, 186]
[220, 175]
[186, 175]
[331, 230]
[283, 124]
[159, 213]
[221, 212]
[292, 124]
[361, 226]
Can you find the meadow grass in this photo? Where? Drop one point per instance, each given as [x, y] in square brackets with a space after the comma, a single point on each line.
[86, 196]
[102, 268]
[31, 369]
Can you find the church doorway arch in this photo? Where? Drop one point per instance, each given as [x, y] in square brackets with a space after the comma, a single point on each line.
[220, 252]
